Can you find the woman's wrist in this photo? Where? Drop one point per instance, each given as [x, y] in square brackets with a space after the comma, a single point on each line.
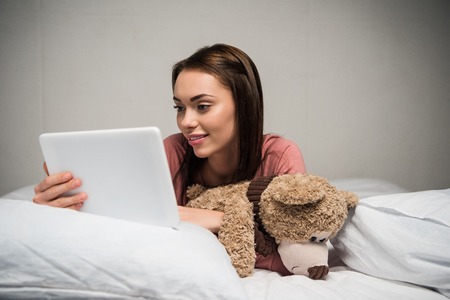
[208, 219]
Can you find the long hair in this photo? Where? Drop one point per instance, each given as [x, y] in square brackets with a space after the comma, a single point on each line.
[236, 71]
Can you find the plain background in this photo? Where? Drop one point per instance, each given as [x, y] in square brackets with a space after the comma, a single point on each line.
[363, 87]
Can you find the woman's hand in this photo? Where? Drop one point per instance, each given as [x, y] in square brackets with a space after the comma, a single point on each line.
[51, 189]
[209, 219]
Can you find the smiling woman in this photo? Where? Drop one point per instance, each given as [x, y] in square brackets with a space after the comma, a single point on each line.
[230, 72]
[218, 100]
[206, 117]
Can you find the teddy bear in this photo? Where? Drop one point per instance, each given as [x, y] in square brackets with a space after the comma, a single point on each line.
[294, 214]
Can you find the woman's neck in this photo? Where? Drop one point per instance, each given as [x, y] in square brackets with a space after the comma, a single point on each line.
[218, 171]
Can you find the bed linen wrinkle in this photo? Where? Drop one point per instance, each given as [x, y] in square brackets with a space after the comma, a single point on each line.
[65, 274]
[63, 270]
[395, 212]
[119, 280]
[60, 293]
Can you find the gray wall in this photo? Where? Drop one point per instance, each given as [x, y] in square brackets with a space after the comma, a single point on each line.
[361, 86]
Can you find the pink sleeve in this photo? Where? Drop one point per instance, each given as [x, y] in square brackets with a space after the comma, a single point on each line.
[175, 153]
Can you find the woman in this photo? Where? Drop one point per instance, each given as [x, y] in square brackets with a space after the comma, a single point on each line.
[218, 100]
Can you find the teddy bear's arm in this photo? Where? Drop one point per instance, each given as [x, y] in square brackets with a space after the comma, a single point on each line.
[264, 243]
[236, 234]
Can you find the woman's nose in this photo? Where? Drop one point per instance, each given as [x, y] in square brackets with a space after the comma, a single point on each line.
[189, 119]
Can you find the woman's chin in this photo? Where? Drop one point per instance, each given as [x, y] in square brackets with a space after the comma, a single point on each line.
[200, 154]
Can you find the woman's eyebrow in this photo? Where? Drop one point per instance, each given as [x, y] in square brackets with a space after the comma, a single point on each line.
[195, 98]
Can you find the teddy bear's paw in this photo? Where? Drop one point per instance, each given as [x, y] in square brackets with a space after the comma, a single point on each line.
[318, 272]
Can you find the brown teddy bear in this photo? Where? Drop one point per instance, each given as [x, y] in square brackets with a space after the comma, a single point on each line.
[294, 213]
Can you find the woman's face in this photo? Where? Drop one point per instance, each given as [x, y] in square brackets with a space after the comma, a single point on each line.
[205, 114]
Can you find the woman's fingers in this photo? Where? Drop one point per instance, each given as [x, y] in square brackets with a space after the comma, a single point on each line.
[51, 189]
[46, 169]
[53, 180]
[72, 202]
[76, 206]
[45, 192]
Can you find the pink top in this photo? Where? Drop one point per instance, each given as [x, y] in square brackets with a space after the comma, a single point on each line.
[282, 156]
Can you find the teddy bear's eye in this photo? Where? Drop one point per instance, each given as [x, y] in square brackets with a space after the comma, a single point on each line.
[314, 239]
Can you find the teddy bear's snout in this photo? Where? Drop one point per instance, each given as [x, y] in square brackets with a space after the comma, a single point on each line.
[320, 237]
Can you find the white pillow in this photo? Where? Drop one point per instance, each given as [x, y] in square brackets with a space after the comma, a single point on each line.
[402, 237]
[367, 187]
[53, 252]
[23, 193]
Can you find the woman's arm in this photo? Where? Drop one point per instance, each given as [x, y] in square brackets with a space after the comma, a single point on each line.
[209, 219]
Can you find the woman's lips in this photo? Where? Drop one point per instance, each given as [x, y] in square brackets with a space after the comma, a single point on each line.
[196, 139]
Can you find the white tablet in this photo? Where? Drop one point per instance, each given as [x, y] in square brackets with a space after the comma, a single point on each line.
[124, 172]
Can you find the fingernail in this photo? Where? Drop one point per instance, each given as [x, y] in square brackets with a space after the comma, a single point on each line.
[76, 182]
[67, 176]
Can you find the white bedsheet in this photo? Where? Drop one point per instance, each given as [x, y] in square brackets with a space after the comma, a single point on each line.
[342, 282]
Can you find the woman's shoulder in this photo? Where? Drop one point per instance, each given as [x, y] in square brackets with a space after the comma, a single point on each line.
[175, 138]
[280, 156]
[276, 142]
[174, 144]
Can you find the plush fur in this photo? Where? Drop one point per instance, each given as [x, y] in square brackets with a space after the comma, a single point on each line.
[295, 207]
[298, 208]
[236, 232]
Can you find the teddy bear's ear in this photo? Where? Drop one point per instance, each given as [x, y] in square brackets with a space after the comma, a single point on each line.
[296, 189]
[351, 198]
[194, 191]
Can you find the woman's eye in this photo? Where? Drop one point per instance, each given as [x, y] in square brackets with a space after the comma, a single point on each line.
[202, 107]
[178, 108]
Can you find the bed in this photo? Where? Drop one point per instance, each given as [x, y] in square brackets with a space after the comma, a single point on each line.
[394, 245]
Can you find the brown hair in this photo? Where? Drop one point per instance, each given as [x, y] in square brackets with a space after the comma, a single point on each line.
[236, 71]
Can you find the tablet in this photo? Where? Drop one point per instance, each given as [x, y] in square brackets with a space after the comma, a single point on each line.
[125, 172]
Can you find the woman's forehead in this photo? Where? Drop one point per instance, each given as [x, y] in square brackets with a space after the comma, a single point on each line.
[190, 83]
